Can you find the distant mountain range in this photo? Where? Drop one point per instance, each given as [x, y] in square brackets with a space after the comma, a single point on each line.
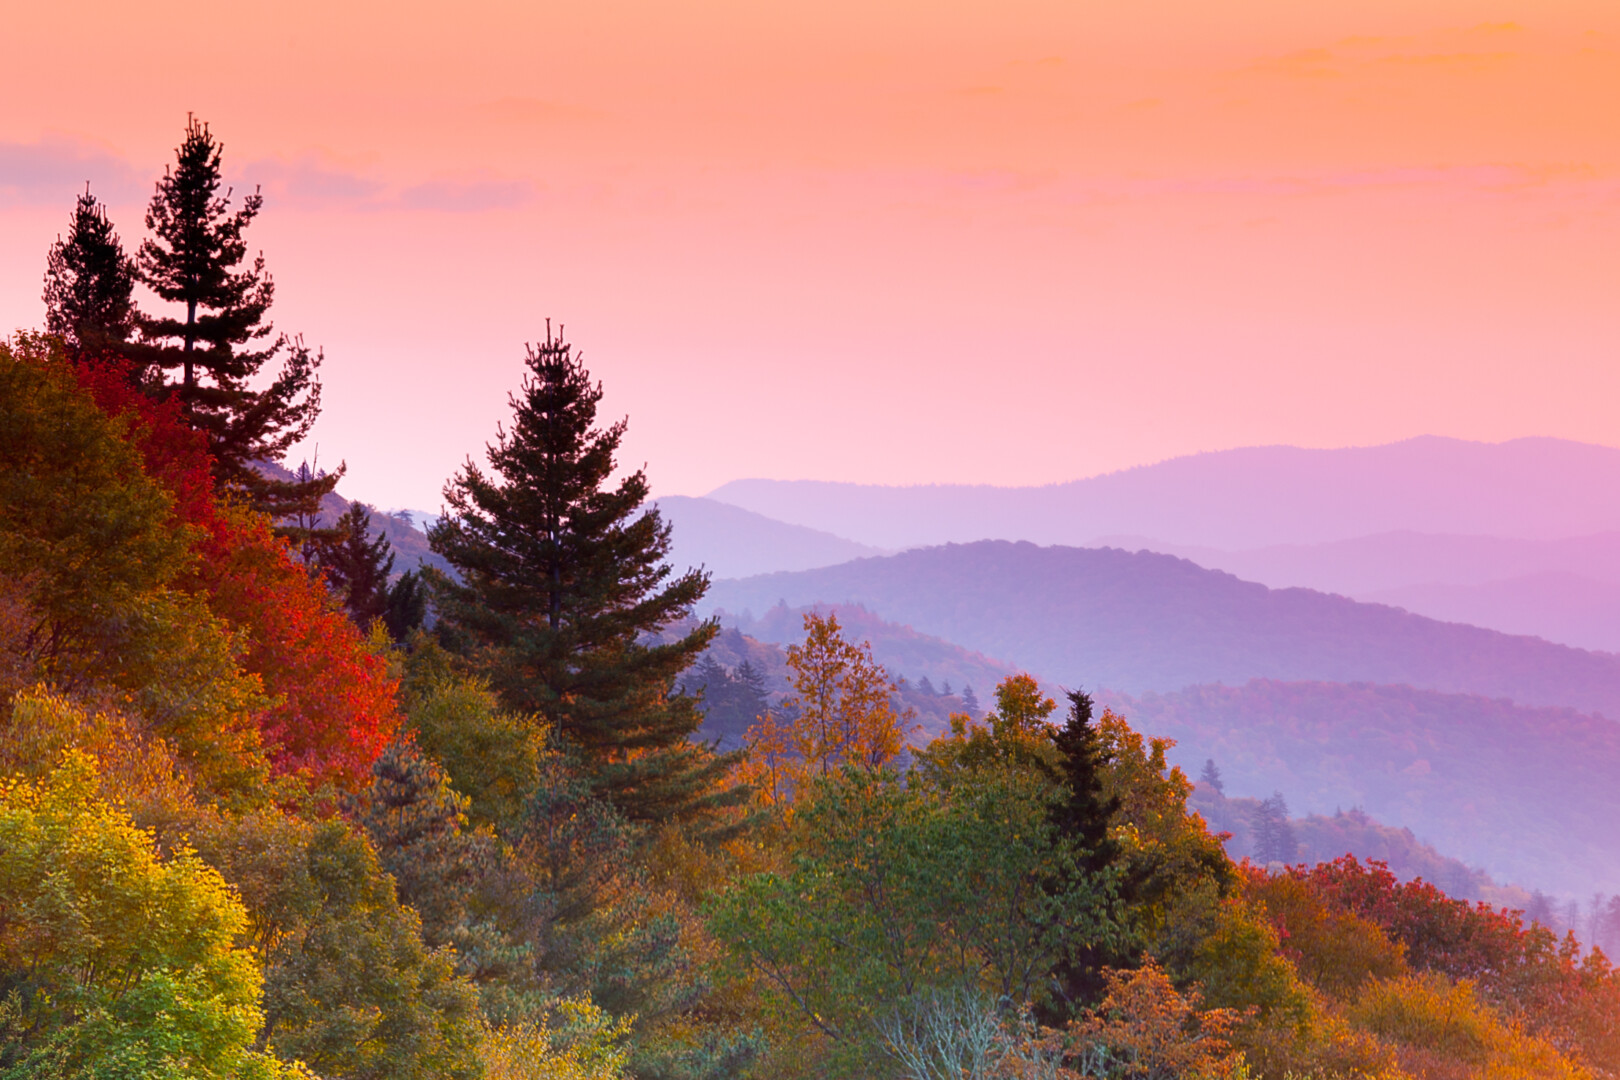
[1565, 590]
[732, 542]
[1527, 793]
[1138, 622]
[1237, 499]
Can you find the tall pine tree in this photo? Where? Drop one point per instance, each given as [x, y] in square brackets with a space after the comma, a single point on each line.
[564, 586]
[220, 340]
[357, 565]
[1083, 815]
[90, 283]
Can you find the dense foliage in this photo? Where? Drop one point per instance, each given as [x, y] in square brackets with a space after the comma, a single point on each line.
[256, 822]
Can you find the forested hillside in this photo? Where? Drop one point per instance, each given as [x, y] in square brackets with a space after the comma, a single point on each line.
[1526, 793]
[1134, 622]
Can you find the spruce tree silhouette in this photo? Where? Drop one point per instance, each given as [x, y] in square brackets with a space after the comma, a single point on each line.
[563, 595]
[220, 340]
[89, 285]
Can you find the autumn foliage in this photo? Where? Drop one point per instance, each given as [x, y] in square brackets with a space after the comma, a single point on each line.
[332, 709]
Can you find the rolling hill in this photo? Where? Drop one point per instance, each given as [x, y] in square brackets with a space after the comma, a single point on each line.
[1142, 621]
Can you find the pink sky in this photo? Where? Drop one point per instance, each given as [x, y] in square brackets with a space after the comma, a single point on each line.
[891, 242]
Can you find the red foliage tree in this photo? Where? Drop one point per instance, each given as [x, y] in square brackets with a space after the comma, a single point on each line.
[334, 708]
[1525, 971]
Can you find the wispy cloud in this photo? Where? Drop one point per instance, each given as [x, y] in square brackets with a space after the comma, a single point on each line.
[310, 182]
[53, 170]
[467, 196]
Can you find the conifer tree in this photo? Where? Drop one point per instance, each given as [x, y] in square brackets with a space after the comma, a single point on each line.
[418, 825]
[1211, 777]
[1083, 816]
[1085, 813]
[220, 340]
[357, 565]
[1274, 839]
[564, 582]
[89, 283]
[407, 605]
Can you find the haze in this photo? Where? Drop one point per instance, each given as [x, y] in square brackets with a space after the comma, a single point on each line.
[881, 242]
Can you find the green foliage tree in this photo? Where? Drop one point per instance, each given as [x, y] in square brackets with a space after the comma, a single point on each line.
[115, 962]
[896, 890]
[562, 581]
[90, 283]
[94, 557]
[350, 987]
[491, 756]
[221, 342]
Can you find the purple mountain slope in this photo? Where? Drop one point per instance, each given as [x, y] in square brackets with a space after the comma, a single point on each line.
[1137, 622]
[1237, 499]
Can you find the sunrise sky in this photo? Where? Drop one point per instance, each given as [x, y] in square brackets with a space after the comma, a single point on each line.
[1012, 242]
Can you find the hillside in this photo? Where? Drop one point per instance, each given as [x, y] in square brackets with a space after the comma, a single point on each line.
[1325, 837]
[1526, 793]
[1135, 622]
[1237, 499]
[1565, 590]
[732, 542]
[1366, 565]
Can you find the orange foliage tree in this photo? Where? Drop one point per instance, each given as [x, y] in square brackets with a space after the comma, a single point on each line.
[842, 712]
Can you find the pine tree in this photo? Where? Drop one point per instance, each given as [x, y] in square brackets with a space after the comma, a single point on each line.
[357, 565]
[970, 701]
[563, 582]
[1274, 839]
[1083, 815]
[407, 605]
[221, 342]
[1211, 777]
[89, 283]
[418, 825]
[1085, 812]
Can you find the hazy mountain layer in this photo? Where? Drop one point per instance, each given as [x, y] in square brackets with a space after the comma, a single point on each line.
[1143, 621]
[1529, 794]
[1238, 499]
[1565, 590]
[732, 542]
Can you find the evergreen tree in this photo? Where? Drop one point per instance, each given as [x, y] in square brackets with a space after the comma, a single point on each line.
[221, 341]
[407, 605]
[89, 283]
[1274, 839]
[1083, 816]
[418, 825]
[1085, 812]
[563, 585]
[1211, 777]
[970, 701]
[357, 565]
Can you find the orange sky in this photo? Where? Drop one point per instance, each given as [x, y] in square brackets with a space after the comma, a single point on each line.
[896, 242]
